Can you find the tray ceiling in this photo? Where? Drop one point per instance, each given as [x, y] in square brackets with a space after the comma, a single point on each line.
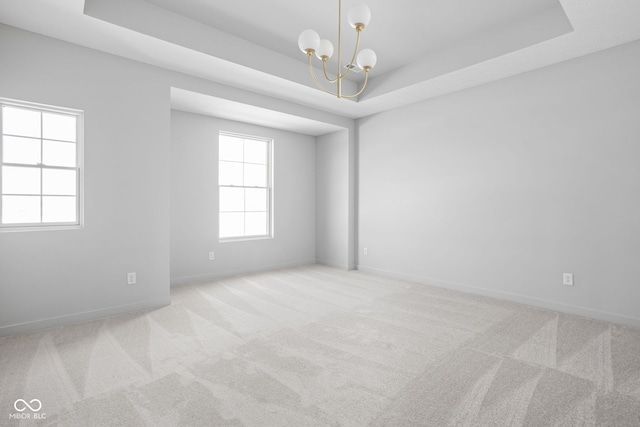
[425, 48]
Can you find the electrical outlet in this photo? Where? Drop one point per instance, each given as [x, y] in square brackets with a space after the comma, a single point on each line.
[366, 251]
[131, 278]
[212, 256]
[567, 279]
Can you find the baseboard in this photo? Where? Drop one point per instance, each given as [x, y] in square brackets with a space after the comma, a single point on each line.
[85, 316]
[219, 274]
[333, 264]
[523, 299]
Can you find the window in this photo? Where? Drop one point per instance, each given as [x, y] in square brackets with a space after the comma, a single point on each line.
[40, 152]
[244, 179]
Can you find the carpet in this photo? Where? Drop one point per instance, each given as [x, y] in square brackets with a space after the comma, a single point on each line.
[316, 346]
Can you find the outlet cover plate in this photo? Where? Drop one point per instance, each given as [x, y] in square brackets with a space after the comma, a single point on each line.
[567, 279]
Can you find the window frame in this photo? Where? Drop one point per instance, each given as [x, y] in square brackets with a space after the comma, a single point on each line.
[269, 188]
[79, 166]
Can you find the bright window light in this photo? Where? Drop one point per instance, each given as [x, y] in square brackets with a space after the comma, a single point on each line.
[40, 161]
[245, 186]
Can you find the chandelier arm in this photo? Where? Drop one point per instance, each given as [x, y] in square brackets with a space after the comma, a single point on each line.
[355, 53]
[326, 76]
[366, 78]
[315, 79]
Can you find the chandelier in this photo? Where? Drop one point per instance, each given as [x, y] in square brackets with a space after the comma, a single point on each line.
[310, 43]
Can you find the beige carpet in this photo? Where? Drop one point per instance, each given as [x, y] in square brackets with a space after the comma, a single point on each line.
[315, 346]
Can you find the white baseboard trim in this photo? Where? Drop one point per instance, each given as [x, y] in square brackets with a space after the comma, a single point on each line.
[187, 280]
[333, 264]
[85, 316]
[523, 299]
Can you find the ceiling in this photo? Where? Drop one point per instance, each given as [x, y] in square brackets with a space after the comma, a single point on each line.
[400, 32]
[426, 48]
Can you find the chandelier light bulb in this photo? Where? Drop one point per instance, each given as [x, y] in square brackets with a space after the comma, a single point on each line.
[309, 39]
[324, 49]
[309, 42]
[367, 59]
[359, 14]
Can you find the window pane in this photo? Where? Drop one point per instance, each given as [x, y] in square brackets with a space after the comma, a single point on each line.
[59, 209]
[230, 148]
[59, 153]
[230, 173]
[20, 209]
[255, 151]
[21, 150]
[20, 122]
[231, 199]
[59, 182]
[256, 223]
[231, 224]
[256, 199]
[255, 175]
[59, 126]
[244, 163]
[17, 180]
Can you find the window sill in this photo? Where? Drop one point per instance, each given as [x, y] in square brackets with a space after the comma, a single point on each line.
[243, 239]
[18, 228]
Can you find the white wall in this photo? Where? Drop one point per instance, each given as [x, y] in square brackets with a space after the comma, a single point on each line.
[332, 199]
[53, 277]
[501, 188]
[194, 202]
[497, 189]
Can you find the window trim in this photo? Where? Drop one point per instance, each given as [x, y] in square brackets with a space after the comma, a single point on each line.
[79, 168]
[270, 188]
